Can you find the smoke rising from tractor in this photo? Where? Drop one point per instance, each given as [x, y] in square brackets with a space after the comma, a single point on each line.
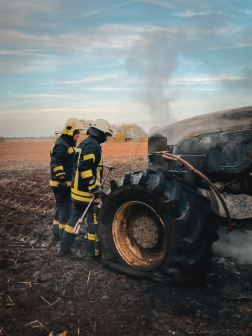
[243, 84]
[236, 244]
[154, 61]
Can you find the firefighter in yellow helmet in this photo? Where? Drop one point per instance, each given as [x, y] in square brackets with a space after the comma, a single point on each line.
[87, 175]
[61, 167]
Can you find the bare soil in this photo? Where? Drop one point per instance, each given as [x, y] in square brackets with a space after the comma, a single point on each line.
[41, 293]
[38, 151]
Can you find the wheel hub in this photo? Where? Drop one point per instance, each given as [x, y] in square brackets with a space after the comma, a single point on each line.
[140, 235]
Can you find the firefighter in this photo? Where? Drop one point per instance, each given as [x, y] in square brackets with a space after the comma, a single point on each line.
[87, 175]
[61, 167]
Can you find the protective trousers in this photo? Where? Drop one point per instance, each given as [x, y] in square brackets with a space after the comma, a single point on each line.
[69, 236]
[64, 207]
[56, 223]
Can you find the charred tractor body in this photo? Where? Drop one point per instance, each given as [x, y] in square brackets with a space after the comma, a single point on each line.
[160, 223]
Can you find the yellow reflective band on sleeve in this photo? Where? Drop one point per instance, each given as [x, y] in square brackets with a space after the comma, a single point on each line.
[51, 150]
[91, 236]
[62, 226]
[55, 222]
[92, 186]
[98, 172]
[70, 150]
[58, 168]
[60, 174]
[88, 157]
[82, 193]
[84, 199]
[94, 217]
[55, 183]
[69, 229]
[86, 173]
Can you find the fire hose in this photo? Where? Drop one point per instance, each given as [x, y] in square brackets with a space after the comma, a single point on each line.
[169, 156]
[77, 227]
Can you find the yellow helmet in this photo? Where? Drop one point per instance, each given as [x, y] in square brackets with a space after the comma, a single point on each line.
[102, 125]
[72, 125]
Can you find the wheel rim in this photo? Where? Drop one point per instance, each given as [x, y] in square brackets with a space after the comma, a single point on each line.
[140, 235]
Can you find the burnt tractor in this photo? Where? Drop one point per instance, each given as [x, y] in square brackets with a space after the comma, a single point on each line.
[160, 223]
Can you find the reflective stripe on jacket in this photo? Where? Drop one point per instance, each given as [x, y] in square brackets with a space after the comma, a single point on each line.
[62, 160]
[87, 170]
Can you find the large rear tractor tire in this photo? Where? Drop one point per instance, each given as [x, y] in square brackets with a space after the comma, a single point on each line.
[155, 225]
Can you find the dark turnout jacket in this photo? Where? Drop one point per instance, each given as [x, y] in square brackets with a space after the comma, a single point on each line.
[62, 160]
[87, 170]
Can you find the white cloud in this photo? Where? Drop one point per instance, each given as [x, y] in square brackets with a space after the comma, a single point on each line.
[121, 37]
[45, 95]
[191, 63]
[112, 65]
[107, 88]
[190, 13]
[85, 80]
[237, 45]
[186, 89]
[207, 79]
[17, 12]
[18, 64]
[105, 36]
[18, 52]
[159, 3]
[246, 11]
[20, 114]
[22, 53]
[103, 9]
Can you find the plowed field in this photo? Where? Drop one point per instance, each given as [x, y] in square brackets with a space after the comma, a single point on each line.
[42, 294]
[39, 151]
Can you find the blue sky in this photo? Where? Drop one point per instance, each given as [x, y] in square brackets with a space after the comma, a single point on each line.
[149, 62]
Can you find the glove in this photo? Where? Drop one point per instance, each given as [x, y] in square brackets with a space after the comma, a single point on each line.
[97, 191]
[62, 184]
[90, 181]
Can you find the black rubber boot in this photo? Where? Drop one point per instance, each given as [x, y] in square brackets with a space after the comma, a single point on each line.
[55, 230]
[67, 240]
[61, 233]
[63, 253]
[56, 238]
[90, 248]
[80, 239]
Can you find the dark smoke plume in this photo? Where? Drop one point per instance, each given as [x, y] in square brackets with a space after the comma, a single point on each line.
[153, 60]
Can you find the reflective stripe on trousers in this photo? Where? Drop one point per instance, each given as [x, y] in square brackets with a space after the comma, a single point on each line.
[92, 235]
[64, 207]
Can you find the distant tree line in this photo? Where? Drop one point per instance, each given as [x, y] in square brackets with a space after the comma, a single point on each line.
[122, 132]
[2, 139]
